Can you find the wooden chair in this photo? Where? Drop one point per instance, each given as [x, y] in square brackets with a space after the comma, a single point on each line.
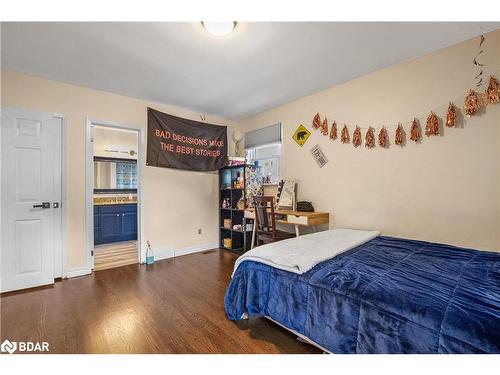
[265, 222]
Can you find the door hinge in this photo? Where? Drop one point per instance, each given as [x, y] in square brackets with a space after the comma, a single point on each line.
[92, 252]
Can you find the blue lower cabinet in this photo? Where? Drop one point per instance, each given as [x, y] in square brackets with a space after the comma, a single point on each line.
[116, 223]
[129, 224]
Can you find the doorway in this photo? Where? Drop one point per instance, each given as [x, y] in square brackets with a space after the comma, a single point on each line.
[114, 191]
[33, 198]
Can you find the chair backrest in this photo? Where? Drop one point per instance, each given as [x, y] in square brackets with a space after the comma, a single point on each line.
[264, 215]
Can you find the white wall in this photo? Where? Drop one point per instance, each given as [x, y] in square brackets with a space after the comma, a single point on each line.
[177, 202]
[446, 189]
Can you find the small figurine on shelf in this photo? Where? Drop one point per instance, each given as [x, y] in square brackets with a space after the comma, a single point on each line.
[225, 203]
[241, 204]
[238, 182]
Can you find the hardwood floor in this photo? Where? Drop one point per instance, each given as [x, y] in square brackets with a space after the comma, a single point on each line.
[115, 255]
[173, 306]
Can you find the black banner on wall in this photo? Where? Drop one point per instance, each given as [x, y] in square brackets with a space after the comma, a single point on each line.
[175, 142]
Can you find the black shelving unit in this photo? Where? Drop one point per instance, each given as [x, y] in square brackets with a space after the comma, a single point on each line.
[240, 239]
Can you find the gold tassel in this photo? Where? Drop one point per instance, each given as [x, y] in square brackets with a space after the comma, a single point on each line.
[493, 91]
[471, 104]
[400, 135]
[324, 127]
[333, 131]
[382, 137]
[344, 137]
[451, 116]
[415, 131]
[316, 121]
[356, 137]
[370, 138]
[432, 125]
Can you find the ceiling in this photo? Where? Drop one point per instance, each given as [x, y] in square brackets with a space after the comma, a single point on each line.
[257, 67]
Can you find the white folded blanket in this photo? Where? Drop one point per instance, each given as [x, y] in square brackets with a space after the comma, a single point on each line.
[300, 254]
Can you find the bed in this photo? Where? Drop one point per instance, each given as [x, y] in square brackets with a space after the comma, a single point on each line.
[385, 295]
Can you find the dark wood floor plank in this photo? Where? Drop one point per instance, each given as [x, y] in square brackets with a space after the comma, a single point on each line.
[173, 306]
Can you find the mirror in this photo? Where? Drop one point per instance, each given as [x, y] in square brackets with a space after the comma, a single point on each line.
[115, 175]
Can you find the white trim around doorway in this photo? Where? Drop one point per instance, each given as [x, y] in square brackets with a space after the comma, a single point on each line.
[64, 192]
[89, 191]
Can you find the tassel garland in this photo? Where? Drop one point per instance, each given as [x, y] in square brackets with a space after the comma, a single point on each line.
[415, 134]
[432, 125]
[400, 135]
[493, 91]
[333, 131]
[471, 105]
[356, 137]
[451, 116]
[316, 121]
[370, 138]
[324, 127]
[382, 138]
[344, 137]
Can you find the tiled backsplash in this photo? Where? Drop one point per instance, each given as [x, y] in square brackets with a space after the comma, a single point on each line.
[103, 199]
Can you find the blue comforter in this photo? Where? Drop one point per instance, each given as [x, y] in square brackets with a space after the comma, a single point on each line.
[388, 295]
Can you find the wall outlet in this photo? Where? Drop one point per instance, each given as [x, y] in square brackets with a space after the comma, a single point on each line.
[199, 231]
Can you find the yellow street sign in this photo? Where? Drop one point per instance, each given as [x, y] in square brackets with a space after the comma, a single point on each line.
[301, 135]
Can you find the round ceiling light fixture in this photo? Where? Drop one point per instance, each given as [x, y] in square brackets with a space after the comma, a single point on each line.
[219, 28]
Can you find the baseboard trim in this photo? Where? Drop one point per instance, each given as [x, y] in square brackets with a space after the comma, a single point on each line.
[196, 249]
[82, 271]
[160, 253]
[171, 252]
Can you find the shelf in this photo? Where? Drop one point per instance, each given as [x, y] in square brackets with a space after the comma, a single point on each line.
[237, 230]
[229, 192]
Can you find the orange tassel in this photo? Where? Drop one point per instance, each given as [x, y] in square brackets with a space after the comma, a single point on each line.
[344, 137]
[493, 91]
[316, 121]
[382, 138]
[451, 116]
[432, 126]
[370, 138]
[415, 131]
[356, 137]
[333, 131]
[324, 127]
[400, 135]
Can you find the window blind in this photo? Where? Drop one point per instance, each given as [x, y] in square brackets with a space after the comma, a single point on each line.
[263, 136]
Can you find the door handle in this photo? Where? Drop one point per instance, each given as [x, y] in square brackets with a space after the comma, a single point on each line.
[42, 205]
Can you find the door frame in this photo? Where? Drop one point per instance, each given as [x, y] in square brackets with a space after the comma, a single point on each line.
[64, 186]
[89, 187]
[64, 191]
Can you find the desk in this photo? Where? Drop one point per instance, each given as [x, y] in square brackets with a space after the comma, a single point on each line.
[295, 218]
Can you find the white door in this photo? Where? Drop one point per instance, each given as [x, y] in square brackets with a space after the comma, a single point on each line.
[31, 197]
